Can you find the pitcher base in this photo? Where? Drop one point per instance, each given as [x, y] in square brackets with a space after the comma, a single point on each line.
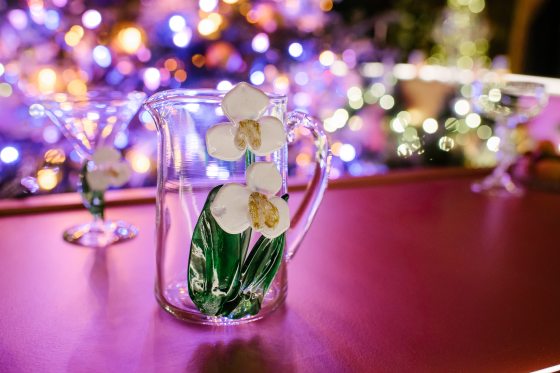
[177, 302]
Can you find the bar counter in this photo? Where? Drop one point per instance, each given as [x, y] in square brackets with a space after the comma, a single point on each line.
[405, 272]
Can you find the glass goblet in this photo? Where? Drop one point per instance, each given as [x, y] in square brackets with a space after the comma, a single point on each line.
[90, 122]
[509, 104]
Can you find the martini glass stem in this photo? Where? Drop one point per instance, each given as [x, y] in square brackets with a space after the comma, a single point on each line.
[506, 151]
[500, 181]
[93, 200]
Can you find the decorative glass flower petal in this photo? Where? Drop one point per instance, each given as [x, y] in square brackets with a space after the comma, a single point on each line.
[284, 221]
[220, 142]
[230, 207]
[273, 136]
[106, 154]
[236, 207]
[98, 180]
[263, 177]
[120, 173]
[244, 105]
[244, 102]
[107, 170]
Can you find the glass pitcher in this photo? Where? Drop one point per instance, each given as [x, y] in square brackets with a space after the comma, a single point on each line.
[204, 274]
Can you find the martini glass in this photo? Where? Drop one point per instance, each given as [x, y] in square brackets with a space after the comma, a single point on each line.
[90, 122]
[509, 104]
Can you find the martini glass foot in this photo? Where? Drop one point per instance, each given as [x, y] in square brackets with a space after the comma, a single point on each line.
[502, 186]
[100, 234]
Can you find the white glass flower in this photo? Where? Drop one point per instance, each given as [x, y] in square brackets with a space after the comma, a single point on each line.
[245, 105]
[108, 169]
[237, 207]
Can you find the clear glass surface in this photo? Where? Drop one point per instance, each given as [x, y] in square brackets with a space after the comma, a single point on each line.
[90, 121]
[187, 173]
[509, 104]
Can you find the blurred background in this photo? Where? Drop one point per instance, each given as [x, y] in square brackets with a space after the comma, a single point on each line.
[391, 80]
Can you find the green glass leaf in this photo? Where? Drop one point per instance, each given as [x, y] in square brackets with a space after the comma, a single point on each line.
[93, 200]
[259, 270]
[215, 261]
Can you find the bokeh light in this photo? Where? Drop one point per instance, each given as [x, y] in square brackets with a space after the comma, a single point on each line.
[91, 19]
[493, 144]
[207, 5]
[257, 77]
[9, 154]
[130, 39]
[152, 78]
[18, 19]
[139, 162]
[182, 38]
[347, 153]
[47, 178]
[102, 56]
[326, 58]
[177, 23]
[260, 43]
[430, 125]
[224, 85]
[47, 80]
[295, 49]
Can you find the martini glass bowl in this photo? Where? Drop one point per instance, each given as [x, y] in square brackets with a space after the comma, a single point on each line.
[509, 103]
[90, 122]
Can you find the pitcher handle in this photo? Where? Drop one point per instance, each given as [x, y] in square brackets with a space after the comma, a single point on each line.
[305, 213]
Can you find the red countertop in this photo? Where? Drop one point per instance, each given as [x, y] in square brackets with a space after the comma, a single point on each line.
[392, 277]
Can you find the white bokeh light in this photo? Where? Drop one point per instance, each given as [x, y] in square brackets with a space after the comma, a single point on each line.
[177, 23]
[295, 50]
[224, 85]
[493, 144]
[257, 77]
[9, 154]
[347, 153]
[430, 125]
[152, 78]
[207, 5]
[91, 19]
[102, 56]
[260, 43]
[462, 107]
[182, 38]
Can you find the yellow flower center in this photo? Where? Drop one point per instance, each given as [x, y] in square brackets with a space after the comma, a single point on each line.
[262, 211]
[249, 131]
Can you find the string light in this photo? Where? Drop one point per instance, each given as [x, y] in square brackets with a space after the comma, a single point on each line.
[125, 50]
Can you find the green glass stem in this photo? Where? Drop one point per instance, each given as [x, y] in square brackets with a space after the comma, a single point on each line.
[221, 281]
[257, 275]
[94, 200]
[215, 261]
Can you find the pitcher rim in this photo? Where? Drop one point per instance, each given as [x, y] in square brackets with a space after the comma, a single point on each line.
[208, 94]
